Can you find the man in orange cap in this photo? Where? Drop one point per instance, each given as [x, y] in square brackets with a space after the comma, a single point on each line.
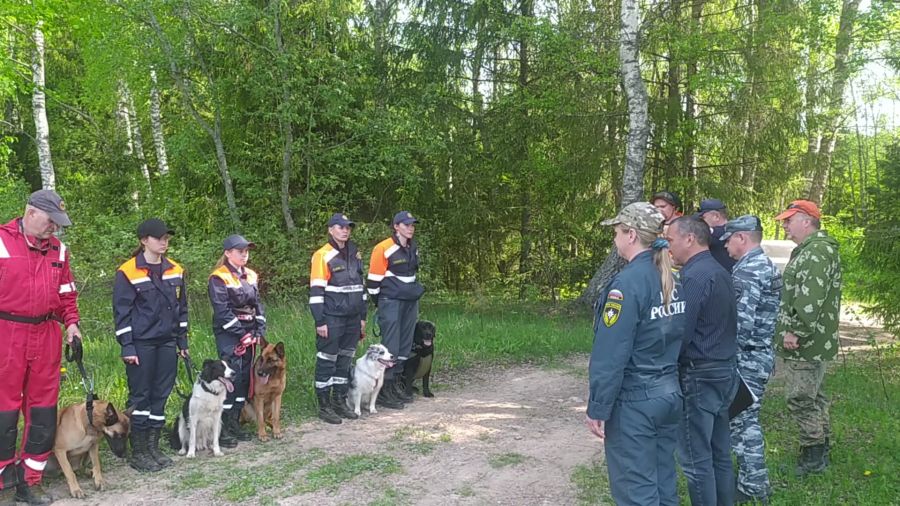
[806, 335]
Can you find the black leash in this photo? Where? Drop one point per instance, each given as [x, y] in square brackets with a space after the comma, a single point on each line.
[189, 369]
[75, 353]
[376, 329]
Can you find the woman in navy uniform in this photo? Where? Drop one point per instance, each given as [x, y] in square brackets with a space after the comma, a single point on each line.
[635, 398]
[337, 301]
[151, 318]
[238, 323]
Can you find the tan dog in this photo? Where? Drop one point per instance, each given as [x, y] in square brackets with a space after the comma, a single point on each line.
[269, 379]
[75, 438]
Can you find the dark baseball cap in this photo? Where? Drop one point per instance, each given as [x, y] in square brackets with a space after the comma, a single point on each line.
[404, 217]
[670, 197]
[236, 241]
[154, 227]
[51, 203]
[710, 205]
[340, 219]
[746, 223]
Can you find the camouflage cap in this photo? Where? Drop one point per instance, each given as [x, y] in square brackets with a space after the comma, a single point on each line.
[640, 216]
[745, 223]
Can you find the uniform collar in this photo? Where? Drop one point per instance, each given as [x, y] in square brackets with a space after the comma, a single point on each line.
[34, 243]
[396, 239]
[755, 252]
[240, 273]
[141, 263]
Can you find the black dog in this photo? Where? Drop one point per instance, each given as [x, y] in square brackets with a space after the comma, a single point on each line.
[418, 366]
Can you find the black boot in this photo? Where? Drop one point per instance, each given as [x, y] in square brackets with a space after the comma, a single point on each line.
[339, 405]
[155, 452]
[326, 413]
[31, 494]
[226, 438]
[400, 392]
[812, 460]
[140, 455]
[386, 397]
[232, 419]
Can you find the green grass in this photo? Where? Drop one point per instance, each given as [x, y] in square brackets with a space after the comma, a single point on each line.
[255, 479]
[506, 460]
[469, 332]
[334, 473]
[865, 460]
[391, 497]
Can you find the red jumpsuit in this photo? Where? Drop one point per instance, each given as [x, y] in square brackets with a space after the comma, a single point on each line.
[35, 284]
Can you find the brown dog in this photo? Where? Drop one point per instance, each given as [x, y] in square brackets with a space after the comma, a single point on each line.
[75, 437]
[269, 379]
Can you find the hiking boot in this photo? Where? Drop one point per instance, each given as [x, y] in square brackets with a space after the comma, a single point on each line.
[141, 459]
[400, 392]
[155, 452]
[226, 438]
[812, 460]
[386, 397]
[31, 494]
[741, 498]
[326, 413]
[232, 420]
[339, 405]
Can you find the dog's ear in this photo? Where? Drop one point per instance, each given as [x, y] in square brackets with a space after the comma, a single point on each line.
[112, 417]
[263, 342]
[279, 350]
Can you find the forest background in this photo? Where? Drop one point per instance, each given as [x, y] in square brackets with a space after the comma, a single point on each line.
[501, 124]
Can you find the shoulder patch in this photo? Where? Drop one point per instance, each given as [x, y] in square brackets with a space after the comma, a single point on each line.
[615, 295]
[611, 311]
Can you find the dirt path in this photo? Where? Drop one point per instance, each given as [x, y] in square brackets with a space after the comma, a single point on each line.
[510, 436]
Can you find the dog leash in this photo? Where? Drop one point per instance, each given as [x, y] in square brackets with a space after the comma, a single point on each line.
[75, 353]
[189, 369]
[376, 329]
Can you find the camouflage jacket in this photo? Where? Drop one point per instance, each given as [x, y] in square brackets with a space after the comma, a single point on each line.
[757, 285]
[811, 301]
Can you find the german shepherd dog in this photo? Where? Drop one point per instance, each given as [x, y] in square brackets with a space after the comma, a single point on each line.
[200, 422]
[76, 436]
[269, 380]
[421, 359]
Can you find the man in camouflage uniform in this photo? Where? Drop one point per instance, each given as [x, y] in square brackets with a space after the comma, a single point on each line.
[807, 331]
[757, 285]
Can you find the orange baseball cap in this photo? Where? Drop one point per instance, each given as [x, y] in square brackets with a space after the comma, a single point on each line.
[800, 206]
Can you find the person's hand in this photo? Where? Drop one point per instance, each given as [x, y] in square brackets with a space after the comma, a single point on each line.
[322, 331]
[597, 427]
[791, 342]
[184, 353]
[131, 359]
[72, 331]
[362, 330]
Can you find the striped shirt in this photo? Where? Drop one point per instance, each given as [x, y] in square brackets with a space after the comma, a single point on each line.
[711, 315]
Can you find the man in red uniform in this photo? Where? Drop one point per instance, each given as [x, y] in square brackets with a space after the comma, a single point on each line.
[37, 291]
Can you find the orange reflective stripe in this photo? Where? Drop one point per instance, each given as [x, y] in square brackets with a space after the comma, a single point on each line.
[319, 270]
[224, 273]
[378, 263]
[176, 271]
[133, 273]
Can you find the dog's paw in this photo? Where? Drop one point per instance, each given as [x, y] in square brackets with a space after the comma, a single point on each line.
[191, 455]
[99, 483]
[77, 493]
[263, 437]
[277, 435]
[218, 453]
[429, 394]
[373, 411]
[182, 452]
[358, 412]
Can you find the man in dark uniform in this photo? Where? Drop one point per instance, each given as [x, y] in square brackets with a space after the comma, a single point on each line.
[337, 300]
[715, 214]
[635, 399]
[707, 364]
[37, 291]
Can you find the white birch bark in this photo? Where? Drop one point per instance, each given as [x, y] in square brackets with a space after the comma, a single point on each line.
[123, 118]
[138, 137]
[39, 106]
[159, 142]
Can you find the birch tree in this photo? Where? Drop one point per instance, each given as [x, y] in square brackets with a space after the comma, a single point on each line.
[638, 133]
[39, 107]
[159, 141]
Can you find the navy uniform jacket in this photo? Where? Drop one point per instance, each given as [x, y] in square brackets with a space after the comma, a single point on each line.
[235, 301]
[148, 307]
[336, 283]
[637, 338]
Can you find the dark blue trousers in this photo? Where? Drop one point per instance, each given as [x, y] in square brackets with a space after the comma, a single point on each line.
[397, 321]
[151, 382]
[704, 446]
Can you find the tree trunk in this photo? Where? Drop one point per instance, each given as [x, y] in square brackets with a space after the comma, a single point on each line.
[123, 118]
[138, 138]
[159, 142]
[691, 109]
[638, 132]
[284, 122]
[39, 106]
[830, 126]
[527, 12]
[214, 130]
